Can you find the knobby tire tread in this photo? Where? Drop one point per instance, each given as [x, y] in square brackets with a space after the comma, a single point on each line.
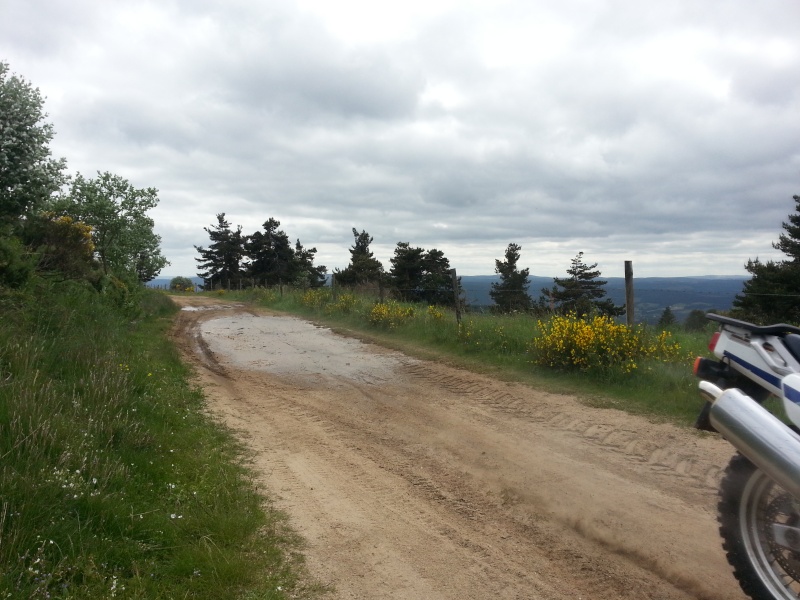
[737, 474]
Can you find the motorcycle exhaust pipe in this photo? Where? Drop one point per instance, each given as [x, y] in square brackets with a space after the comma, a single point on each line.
[757, 434]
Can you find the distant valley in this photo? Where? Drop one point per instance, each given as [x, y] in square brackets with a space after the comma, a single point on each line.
[651, 294]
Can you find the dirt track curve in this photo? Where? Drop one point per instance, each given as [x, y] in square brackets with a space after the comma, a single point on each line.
[411, 479]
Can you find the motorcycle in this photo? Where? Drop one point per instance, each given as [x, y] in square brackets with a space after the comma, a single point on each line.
[759, 495]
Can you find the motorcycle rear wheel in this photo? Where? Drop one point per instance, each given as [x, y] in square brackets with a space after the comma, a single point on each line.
[750, 504]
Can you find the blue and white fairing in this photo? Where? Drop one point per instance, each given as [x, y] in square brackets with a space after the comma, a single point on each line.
[790, 392]
[763, 359]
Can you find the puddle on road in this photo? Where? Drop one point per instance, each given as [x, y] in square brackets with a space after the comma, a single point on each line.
[213, 307]
[290, 346]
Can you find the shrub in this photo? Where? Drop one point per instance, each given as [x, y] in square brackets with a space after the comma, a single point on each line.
[15, 267]
[390, 314]
[597, 344]
[344, 304]
[181, 284]
[316, 298]
[435, 313]
[61, 244]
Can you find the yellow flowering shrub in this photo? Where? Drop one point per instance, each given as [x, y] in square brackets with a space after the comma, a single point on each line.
[316, 298]
[390, 314]
[598, 343]
[435, 313]
[345, 303]
[63, 244]
[468, 335]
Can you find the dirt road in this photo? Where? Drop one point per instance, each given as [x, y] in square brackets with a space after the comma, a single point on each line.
[411, 479]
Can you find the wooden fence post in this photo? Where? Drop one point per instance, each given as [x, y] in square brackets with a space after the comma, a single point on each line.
[456, 296]
[629, 292]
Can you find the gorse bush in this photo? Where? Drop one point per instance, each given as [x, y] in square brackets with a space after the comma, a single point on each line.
[390, 314]
[435, 313]
[597, 344]
[316, 298]
[343, 304]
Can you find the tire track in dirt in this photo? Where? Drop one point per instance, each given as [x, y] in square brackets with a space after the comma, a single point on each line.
[431, 482]
[690, 467]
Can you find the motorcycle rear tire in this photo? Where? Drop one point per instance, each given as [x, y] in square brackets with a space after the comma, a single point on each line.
[748, 505]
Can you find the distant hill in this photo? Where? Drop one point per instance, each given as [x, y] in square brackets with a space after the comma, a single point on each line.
[651, 294]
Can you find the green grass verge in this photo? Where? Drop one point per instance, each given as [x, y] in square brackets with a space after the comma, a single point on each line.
[114, 481]
[500, 345]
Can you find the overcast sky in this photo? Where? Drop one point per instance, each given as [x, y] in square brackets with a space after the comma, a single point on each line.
[666, 133]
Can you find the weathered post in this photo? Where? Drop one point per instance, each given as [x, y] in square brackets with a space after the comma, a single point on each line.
[456, 296]
[629, 292]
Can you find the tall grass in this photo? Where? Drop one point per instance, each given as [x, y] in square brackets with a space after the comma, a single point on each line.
[658, 383]
[113, 480]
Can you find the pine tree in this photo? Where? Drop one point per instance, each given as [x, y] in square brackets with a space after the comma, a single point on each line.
[789, 242]
[308, 274]
[773, 293]
[511, 292]
[437, 281]
[364, 267]
[582, 292]
[407, 271]
[420, 275]
[696, 321]
[221, 262]
[667, 318]
[272, 259]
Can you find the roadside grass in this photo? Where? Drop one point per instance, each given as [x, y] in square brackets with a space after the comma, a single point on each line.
[658, 387]
[114, 481]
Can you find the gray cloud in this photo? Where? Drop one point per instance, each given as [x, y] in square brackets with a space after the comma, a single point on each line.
[662, 133]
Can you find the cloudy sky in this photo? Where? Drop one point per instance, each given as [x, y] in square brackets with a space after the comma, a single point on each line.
[666, 133]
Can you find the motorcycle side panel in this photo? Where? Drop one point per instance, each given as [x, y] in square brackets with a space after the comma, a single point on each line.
[791, 397]
[763, 360]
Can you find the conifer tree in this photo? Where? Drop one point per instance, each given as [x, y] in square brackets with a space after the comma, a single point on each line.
[511, 292]
[437, 281]
[420, 275]
[582, 292]
[772, 295]
[363, 267]
[667, 318]
[272, 259]
[306, 272]
[221, 262]
[407, 271]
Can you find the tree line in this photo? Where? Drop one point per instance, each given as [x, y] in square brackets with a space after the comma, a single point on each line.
[419, 275]
[234, 259]
[267, 257]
